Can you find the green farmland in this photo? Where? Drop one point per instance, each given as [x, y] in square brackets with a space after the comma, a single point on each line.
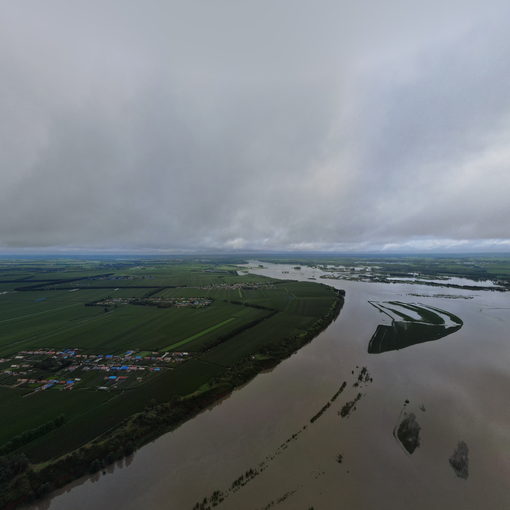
[98, 353]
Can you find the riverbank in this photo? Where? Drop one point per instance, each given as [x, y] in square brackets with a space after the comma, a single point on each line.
[23, 483]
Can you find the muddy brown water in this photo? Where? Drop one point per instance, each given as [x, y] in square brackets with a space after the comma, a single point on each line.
[458, 387]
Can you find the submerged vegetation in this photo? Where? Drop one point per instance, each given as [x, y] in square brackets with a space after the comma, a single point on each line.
[408, 433]
[411, 324]
[361, 378]
[492, 271]
[459, 461]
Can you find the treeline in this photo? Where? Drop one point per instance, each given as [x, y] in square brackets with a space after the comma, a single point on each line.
[324, 408]
[50, 364]
[243, 327]
[336, 395]
[157, 289]
[316, 416]
[286, 347]
[250, 305]
[12, 465]
[48, 283]
[29, 435]
[349, 406]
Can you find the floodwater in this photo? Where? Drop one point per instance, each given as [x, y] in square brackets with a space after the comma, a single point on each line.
[453, 280]
[457, 388]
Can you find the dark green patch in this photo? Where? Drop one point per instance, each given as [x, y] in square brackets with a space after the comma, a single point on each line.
[404, 333]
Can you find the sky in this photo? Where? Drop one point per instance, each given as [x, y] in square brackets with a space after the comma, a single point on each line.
[347, 125]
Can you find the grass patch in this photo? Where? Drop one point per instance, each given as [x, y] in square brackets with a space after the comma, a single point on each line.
[197, 335]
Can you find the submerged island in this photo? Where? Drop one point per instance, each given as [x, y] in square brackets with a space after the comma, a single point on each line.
[411, 324]
[98, 357]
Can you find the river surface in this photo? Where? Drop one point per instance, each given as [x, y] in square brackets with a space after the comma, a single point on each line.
[458, 388]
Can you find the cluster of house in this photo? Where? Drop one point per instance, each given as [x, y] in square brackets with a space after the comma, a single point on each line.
[128, 355]
[121, 277]
[234, 286]
[112, 368]
[47, 352]
[180, 302]
[66, 384]
[116, 365]
[15, 369]
[195, 302]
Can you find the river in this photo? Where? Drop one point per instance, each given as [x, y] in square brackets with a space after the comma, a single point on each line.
[457, 387]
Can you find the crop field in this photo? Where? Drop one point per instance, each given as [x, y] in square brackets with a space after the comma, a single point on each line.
[85, 344]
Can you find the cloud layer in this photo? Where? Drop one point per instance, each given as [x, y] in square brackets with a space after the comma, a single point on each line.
[272, 125]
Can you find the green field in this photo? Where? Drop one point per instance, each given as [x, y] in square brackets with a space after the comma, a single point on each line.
[198, 335]
[64, 353]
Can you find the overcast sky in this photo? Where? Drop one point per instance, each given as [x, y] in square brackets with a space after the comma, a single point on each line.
[268, 124]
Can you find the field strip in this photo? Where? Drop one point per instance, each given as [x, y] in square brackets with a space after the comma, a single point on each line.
[28, 341]
[198, 335]
[79, 324]
[39, 313]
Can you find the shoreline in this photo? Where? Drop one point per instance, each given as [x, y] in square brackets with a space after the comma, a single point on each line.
[36, 482]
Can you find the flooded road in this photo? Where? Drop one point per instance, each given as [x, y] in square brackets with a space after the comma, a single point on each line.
[456, 387]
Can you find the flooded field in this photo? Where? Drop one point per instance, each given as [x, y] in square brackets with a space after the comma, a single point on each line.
[405, 424]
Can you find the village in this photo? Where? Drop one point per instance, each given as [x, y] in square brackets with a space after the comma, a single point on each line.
[44, 369]
[162, 302]
[235, 286]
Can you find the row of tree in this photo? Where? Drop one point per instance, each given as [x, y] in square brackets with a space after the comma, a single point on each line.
[29, 435]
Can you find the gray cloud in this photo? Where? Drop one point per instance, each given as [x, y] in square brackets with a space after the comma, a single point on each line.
[274, 125]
